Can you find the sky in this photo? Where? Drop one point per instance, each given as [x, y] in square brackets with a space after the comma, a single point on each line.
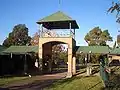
[87, 13]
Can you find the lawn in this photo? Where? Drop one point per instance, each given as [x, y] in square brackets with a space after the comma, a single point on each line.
[78, 83]
[5, 81]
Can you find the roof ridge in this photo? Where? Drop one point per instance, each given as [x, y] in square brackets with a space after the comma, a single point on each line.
[93, 46]
[65, 14]
[59, 13]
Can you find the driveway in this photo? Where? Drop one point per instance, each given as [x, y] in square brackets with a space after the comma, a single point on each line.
[35, 82]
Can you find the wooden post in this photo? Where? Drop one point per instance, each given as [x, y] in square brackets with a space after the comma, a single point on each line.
[42, 30]
[74, 65]
[89, 67]
[74, 33]
[40, 53]
[38, 28]
[69, 73]
[11, 55]
[25, 65]
[70, 29]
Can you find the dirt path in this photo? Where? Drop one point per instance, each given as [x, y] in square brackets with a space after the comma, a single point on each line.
[35, 82]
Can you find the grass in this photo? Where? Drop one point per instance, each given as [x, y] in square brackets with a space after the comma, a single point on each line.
[78, 83]
[5, 81]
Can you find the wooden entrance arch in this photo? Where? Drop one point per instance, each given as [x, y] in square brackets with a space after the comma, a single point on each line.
[69, 41]
[49, 32]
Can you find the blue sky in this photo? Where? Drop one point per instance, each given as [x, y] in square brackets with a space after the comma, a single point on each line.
[87, 13]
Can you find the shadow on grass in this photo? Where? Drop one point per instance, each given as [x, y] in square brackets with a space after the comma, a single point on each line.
[94, 85]
[34, 85]
[66, 81]
[38, 83]
[4, 89]
[63, 83]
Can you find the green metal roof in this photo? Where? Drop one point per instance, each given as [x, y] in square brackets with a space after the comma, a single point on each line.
[93, 49]
[58, 16]
[78, 49]
[58, 20]
[2, 48]
[21, 49]
[115, 51]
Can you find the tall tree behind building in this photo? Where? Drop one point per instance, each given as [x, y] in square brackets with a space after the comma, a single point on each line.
[19, 36]
[35, 39]
[97, 37]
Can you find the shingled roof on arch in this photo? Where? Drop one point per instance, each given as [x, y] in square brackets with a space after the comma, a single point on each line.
[58, 20]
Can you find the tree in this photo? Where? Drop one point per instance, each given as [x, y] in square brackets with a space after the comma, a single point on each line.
[97, 37]
[115, 8]
[35, 39]
[59, 54]
[19, 36]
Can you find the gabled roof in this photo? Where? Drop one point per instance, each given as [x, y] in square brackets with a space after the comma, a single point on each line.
[21, 49]
[58, 20]
[93, 49]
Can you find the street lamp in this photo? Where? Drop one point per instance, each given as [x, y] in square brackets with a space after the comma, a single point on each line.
[25, 65]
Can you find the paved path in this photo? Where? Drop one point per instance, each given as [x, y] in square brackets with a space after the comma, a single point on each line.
[35, 82]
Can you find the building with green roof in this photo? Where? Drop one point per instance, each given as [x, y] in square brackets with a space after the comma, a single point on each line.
[52, 31]
[92, 49]
[50, 34]
[115, 51]
[21, 49]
